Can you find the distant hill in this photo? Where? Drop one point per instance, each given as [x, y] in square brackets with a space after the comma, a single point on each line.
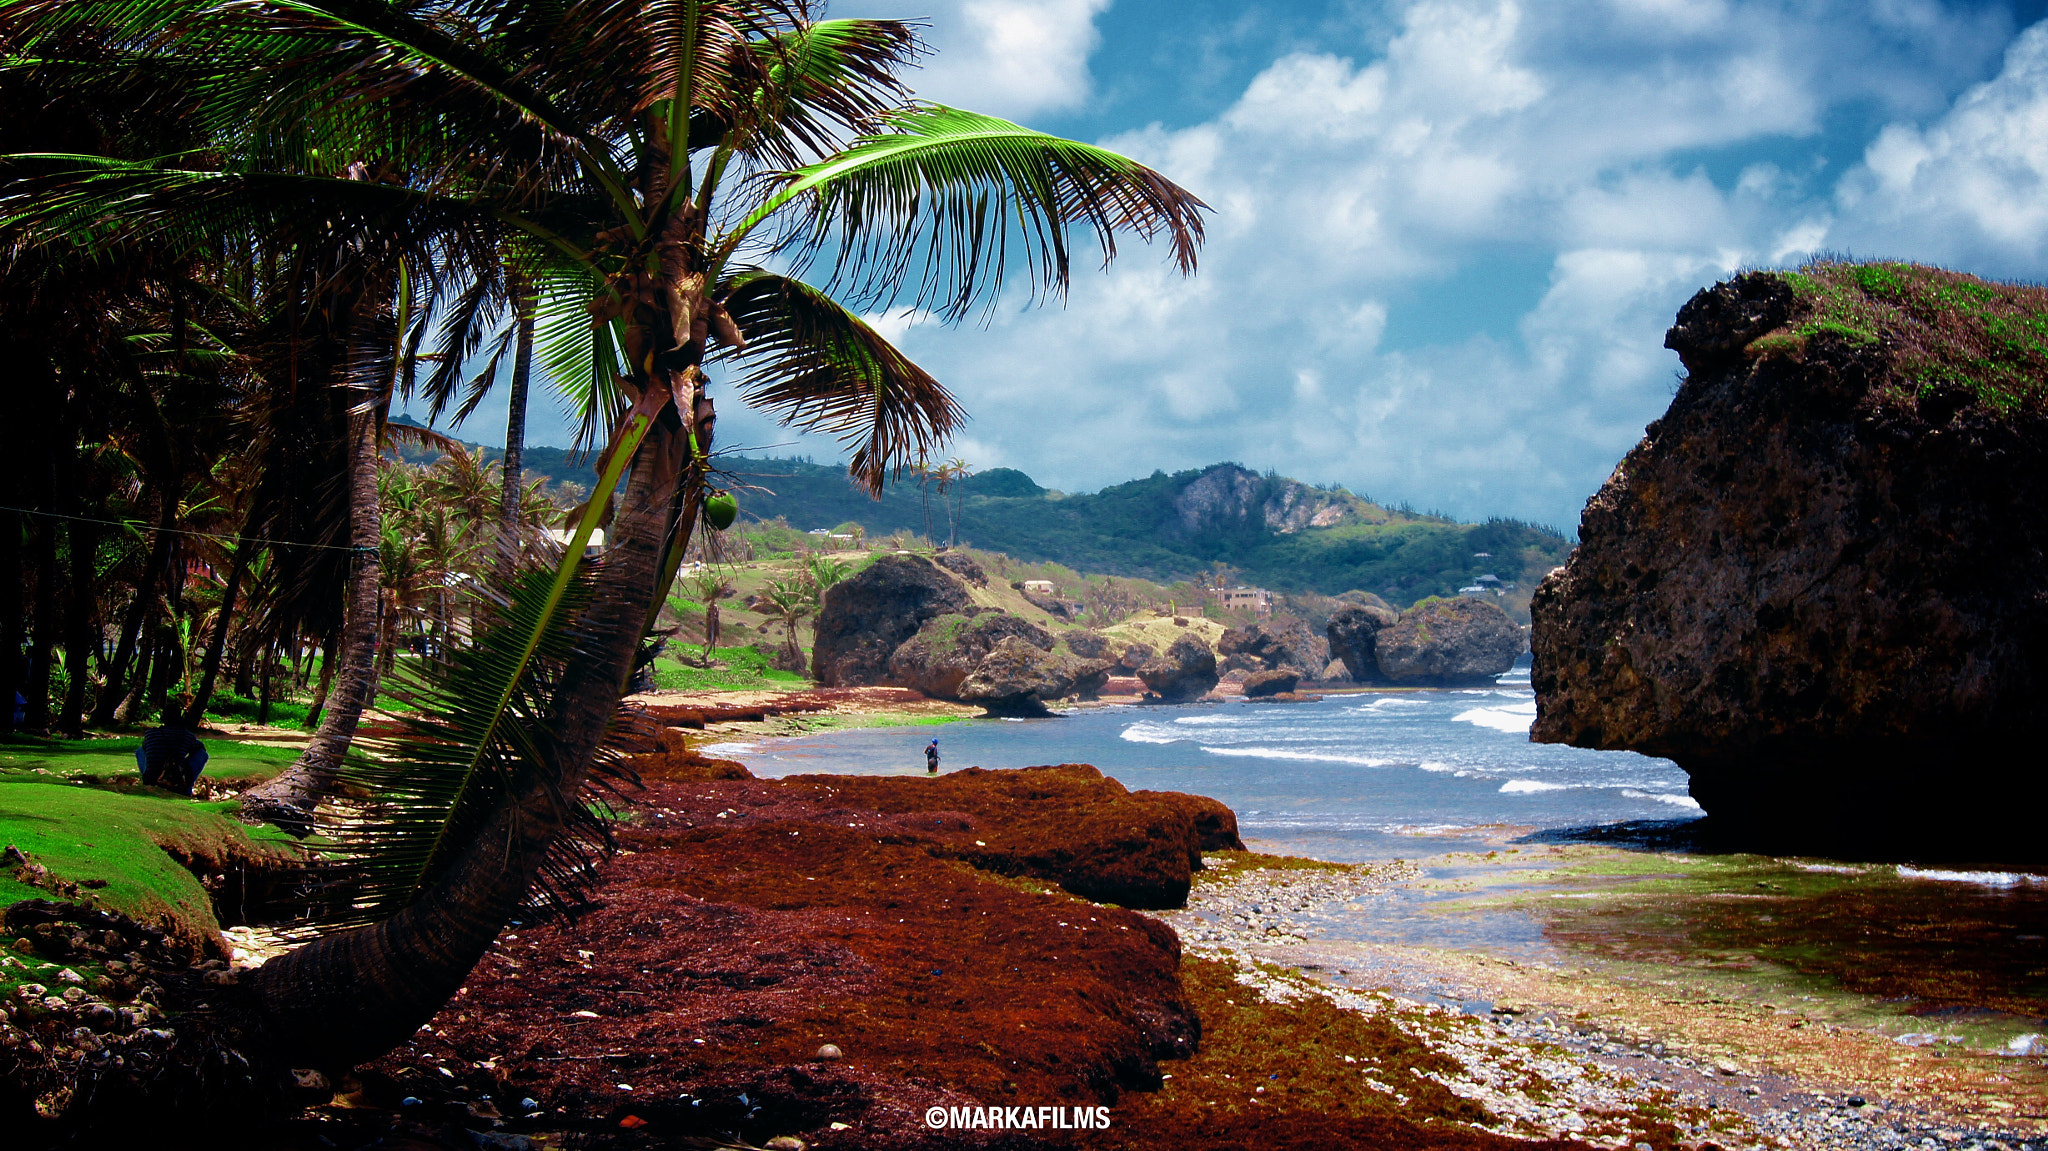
[1275, 532]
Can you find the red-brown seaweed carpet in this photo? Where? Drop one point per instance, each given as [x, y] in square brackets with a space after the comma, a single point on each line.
[925, 928]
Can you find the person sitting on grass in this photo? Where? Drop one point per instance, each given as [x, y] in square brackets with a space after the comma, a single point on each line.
[170, 756]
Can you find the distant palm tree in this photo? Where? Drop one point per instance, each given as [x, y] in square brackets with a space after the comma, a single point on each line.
[788, 601]
[709, 588]
[950, 475]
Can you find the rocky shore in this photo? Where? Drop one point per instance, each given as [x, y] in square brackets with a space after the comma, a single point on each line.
[816, 961]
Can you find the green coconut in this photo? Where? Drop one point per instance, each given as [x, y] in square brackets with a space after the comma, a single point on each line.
[720, 509]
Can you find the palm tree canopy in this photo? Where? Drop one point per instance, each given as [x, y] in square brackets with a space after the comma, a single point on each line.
[483, 137]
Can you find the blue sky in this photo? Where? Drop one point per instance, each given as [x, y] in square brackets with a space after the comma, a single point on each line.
[1448, 235]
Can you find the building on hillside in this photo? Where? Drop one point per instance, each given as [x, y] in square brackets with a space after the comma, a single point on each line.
[1252, 599]
[1488, 584]
[563, 536]
[1040, 586]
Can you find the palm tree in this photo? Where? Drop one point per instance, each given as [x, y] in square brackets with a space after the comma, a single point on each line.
[950, 475]
[788, 601]
[709, 588]
[644, 159]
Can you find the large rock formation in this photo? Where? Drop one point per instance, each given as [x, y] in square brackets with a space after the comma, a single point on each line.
[1354, 638]
[867, 615]
[1449, 642]
[1017, 678]
[1284, 644]
[1186, 671]
[1818, 581]
[948, 649]
[1436, 643]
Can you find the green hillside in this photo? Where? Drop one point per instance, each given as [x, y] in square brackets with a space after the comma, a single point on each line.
[1163, 527]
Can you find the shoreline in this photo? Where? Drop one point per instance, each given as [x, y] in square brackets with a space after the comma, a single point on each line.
[1774, 1074]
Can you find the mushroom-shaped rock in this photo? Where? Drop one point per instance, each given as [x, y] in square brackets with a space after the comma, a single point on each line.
[947, 649]
[1354, 633]
[1187, 671]
[1016, 678]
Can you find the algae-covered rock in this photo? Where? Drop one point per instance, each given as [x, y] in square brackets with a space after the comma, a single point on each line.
[1816, 582]
[866, 616]
[1186, 671]
[942, 655]
[1448, 643]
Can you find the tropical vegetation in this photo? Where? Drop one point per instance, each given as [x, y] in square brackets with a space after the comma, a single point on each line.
[320, 205]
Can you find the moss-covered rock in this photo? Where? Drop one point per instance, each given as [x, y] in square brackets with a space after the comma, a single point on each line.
[1815, 583]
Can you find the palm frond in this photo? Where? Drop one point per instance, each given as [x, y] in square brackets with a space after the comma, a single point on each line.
[579, 352]
[819, 367]
[933, 208]
[480, 732]
[825, 81]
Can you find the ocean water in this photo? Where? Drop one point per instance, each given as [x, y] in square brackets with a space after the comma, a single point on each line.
[1352, 777]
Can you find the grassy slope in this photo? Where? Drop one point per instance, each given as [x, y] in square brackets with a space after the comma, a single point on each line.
[76, 808]
[1942, 328]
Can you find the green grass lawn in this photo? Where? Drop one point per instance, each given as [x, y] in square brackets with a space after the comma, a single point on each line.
[746, 669]
[77, 808]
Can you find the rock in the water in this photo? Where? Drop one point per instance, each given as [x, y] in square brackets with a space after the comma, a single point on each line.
[1017, 678]
[1437, 643]
[1091, 676]
[1448, 642]
[1354, 639]
[1816, 583]
[1136, 656]
[867, 615]
[1272, 645]
[1261, 683]
[1187, 671]
[948, 648]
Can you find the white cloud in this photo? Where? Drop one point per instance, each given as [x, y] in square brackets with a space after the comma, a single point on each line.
[1576, 152]
[1971, 187]
[1012, 58]
[1349, 179]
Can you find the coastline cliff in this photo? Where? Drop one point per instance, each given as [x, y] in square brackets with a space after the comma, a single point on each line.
[1817, 584]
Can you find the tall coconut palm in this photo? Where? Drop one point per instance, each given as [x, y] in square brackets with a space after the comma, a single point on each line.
[651, 159]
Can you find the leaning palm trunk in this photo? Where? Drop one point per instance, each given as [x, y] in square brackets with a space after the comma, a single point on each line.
[352, 996]
[288, 800]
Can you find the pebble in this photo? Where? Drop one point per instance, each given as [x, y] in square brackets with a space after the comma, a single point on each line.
[829, 1051]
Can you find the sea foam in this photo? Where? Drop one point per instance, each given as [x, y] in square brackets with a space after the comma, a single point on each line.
[1673, 798]
[1310, 756]
[1531, 786]
[1510, 718]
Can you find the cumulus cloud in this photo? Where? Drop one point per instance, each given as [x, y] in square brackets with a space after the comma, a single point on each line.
[1543, 183]
[1011, 58]
[1969, 188]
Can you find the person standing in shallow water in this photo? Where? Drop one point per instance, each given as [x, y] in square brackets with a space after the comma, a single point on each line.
[931, 758]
